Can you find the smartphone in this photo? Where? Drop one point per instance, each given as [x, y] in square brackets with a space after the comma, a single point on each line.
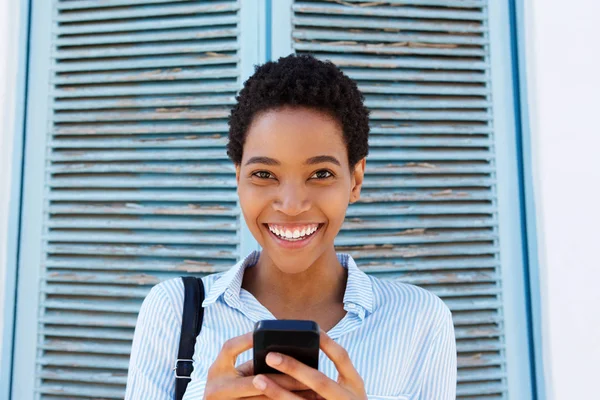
[296, 338]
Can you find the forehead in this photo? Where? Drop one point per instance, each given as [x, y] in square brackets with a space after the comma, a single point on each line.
[291, 134]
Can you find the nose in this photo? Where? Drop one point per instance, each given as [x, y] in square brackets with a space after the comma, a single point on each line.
[292, 199]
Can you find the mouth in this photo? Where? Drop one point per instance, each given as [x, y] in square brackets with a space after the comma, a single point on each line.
[293, 243]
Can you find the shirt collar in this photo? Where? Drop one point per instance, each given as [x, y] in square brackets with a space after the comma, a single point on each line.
[359, 289]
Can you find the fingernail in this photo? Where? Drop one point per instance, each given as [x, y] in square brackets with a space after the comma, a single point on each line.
[259, 383]
[274, 359]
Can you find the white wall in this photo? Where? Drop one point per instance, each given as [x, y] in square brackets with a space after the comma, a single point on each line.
[10, 81]
[563, 78]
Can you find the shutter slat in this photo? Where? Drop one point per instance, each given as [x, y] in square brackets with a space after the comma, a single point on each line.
[166, 223]
[388, 37]
[87, 348]
[419, 80]
[85, 332]
[155, 24]
[82, 376]
[76, 5]
[110, 182]
[166, 61]
[162, 167]
[381, 239]
[146, 195]
[424, 103]
[148, 37]
[145, 251]
[142, 129]
[387, 24]
[141, 155]
[131, 264]
[146, 12]
[137, 142]
[150, 115]
[414, 225]
[219, 208]
[415, 88]
[408, 265]
[145, 50]
[99, 320]
[440, 3]
[141, 76]
[90, 305]
[160, 101]
[402, 12]
[388, 49]
[363, 61]
[361, 210]
[104, 392]
[173, 237]
[146, 89]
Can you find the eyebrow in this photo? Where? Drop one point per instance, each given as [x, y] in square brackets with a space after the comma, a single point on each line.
[310, 161]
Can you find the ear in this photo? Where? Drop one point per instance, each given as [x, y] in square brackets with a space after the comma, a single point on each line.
[237, 174]
[357, 180]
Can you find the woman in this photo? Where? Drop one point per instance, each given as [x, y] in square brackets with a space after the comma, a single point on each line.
[298, 138]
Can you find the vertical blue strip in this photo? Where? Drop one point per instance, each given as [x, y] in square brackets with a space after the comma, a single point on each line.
[530, 261]
[269, 29]
[16, 194]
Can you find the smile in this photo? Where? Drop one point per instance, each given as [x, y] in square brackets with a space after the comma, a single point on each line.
[293, 237]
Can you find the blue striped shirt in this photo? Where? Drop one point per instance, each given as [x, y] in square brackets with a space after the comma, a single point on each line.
[400, 337]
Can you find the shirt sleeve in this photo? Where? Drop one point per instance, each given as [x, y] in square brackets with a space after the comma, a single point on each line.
[154, 349]
[439, 380]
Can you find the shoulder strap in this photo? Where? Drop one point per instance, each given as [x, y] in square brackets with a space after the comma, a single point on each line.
[191, 323]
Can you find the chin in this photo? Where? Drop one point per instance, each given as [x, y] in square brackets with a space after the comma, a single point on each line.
[291, 263]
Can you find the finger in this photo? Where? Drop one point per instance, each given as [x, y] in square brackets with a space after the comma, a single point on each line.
[309, 395]
[246, 369]
[232, 389]
[287, 382]
[272, 390]
[231, 349]
[340, 358]
[311, 377]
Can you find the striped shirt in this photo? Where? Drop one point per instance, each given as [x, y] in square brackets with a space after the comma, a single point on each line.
[399, 337]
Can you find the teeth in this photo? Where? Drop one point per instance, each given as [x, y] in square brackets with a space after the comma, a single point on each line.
[296, 234]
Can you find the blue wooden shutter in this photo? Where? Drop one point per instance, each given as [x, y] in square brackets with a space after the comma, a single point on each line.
[138, 187]
[428, 210]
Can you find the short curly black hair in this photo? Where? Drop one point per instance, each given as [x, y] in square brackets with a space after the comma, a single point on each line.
[303, 81]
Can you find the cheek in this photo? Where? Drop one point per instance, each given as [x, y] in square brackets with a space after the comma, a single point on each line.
[333, 204]
[251, 200]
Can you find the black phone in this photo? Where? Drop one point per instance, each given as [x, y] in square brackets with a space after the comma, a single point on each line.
[296, 338]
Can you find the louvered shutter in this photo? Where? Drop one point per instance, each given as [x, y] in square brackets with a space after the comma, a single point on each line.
[139, 187]
[427, 213]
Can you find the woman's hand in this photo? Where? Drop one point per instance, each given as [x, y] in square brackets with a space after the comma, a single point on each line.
[224, 381]
[348, 386]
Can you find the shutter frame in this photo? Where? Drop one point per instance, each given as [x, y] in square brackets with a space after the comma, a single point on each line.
[138, 186]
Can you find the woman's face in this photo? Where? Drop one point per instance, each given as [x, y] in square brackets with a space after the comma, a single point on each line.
[294, 176]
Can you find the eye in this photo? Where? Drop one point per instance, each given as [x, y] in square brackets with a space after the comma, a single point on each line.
[262, 174]
[322, 174]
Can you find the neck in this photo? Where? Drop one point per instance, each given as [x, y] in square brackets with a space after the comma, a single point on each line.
[320, 286]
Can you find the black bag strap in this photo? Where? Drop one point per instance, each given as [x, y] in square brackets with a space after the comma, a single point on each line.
[191, 324]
